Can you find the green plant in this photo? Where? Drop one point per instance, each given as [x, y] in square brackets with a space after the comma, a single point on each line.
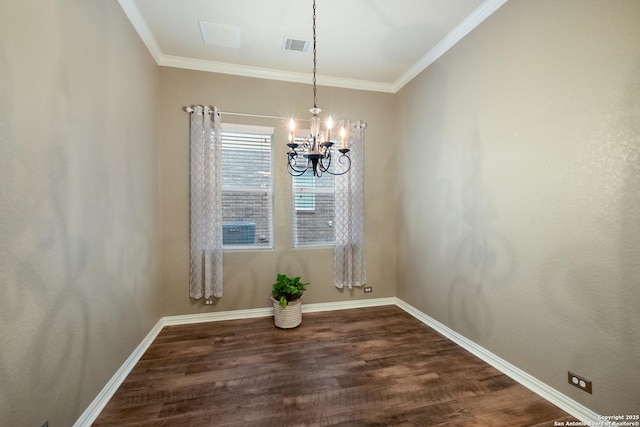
[287, 289]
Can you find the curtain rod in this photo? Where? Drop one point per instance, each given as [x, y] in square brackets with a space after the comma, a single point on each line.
[259, 116]
[264, 116]
[359, 123]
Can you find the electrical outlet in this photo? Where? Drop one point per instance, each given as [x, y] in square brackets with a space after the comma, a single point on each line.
[208, 302]
[368, 289]
[580, 382]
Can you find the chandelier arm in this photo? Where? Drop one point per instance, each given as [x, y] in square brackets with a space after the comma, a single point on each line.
[317, 171]
[342, 160]
[328, 157]
[291, 161]
[295, 172]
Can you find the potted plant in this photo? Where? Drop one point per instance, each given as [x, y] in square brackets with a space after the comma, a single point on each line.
[286, 296]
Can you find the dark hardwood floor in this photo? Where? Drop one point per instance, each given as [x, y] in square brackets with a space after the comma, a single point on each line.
[361, 367]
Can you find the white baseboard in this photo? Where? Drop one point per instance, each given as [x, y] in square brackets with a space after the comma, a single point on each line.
[563, 402]
[216, 316]
[268, 311]
[343, 305]
[93, 410]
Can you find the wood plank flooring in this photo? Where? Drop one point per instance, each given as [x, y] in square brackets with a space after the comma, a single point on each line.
[361, 367]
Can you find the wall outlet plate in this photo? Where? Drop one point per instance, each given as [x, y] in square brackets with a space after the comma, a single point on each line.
[368, 289]
[580, 382]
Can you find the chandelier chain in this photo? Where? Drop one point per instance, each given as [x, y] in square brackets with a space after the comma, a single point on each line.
[315, 90]
[316, 149]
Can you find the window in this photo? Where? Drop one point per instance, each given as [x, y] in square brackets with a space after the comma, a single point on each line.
[247, 183]
[305, 198]
[313, 207]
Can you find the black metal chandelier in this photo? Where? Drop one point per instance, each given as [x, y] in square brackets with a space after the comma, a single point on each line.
[316, 148]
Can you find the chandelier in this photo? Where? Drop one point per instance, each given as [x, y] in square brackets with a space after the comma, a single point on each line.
[316, 147]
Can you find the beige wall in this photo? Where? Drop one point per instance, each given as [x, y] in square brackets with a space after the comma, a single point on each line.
[78, 204]
[518, 222]
[516, 196]
[248, 276]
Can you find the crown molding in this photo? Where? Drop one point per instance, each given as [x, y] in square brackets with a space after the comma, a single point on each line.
[486, 9]
[130, 9]
[271, 74]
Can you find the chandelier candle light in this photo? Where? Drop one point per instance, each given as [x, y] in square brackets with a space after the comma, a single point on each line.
[316, 148]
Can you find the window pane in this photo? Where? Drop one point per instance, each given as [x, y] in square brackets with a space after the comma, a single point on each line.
[314, 227]
[304, 198]
[313, 207]
[247, 196]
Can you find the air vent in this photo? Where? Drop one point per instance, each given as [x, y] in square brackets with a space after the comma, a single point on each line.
[296, 45]
[220, 34]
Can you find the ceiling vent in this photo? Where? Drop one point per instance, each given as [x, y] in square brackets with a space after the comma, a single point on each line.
[296, 45]
[220, 34]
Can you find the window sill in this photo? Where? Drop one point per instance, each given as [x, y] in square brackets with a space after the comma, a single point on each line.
[240, 248]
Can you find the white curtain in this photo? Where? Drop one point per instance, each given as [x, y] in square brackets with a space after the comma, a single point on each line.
[206, 203]
[349, 268]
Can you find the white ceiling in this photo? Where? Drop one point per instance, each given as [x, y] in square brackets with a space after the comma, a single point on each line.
[363, 44]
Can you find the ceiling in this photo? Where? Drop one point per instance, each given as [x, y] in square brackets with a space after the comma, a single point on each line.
[375, 45]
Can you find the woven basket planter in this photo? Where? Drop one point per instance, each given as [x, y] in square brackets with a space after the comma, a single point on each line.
[288, 317]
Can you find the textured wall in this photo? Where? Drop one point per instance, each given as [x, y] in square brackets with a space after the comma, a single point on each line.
[78, 204]
[248, 276]
[518, 193]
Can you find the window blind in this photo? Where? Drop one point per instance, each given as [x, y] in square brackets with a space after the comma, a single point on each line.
[247, 186]
[313, 207]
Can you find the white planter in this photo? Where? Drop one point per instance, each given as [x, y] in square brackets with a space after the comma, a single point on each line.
[288, 317]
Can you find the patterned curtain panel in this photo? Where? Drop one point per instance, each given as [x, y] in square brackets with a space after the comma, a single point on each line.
[206, 203]
[349, 268]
